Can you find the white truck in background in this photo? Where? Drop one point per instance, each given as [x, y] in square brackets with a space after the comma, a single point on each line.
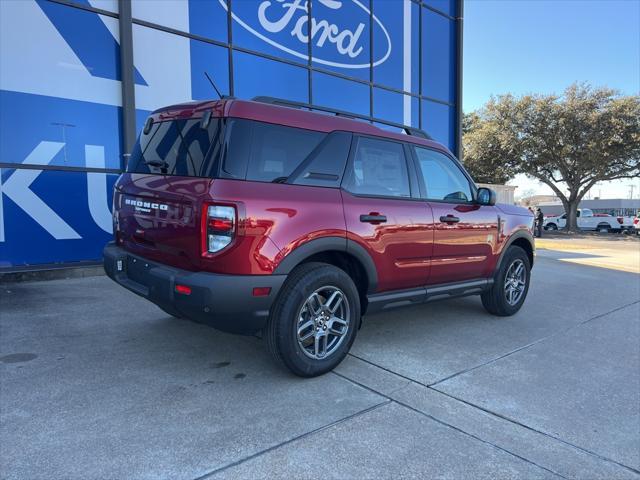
[586, 221]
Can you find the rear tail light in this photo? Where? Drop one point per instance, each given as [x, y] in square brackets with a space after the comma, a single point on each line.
[183, 289]
[218, 227]
[636, 221]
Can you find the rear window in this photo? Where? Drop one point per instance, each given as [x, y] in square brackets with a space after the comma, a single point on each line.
[178, 147]
[265, 152]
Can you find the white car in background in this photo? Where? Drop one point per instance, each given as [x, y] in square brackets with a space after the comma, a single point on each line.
[586, 221]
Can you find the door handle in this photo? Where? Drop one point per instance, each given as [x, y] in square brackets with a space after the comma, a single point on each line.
[373, 218]
[449, 219]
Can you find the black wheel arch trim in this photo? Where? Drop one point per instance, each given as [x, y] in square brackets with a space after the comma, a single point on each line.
[515, 236]
[328, 244]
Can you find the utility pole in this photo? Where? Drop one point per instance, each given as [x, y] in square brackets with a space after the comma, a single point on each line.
[631, 187]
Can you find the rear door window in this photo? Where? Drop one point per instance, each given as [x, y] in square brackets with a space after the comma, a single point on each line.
[379, 168]
[178, 147]
[265, 152]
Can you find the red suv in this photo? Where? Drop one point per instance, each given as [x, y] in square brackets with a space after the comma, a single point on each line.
[251, 216]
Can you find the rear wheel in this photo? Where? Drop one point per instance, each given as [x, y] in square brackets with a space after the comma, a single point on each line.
[511, 284]
[551, 226]
[314, 320]
[603, 228]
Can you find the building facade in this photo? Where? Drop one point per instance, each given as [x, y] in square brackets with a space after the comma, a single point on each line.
[79, 77]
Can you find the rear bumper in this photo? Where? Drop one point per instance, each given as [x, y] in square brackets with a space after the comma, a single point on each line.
[225, 302]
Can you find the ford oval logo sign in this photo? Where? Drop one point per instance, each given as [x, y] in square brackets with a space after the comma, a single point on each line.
[339, 30]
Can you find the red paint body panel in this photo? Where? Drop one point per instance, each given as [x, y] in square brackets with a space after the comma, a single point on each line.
[464, 250]
[277, 219]
[401, 247]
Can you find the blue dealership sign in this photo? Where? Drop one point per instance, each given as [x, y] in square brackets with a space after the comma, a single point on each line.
[61, 103]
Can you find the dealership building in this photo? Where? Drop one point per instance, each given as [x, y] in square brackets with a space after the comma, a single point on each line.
[79, 77]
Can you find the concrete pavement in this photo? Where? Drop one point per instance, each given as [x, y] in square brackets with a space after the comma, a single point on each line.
[98, 383]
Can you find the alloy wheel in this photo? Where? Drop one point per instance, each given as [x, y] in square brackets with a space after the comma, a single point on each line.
[323, 322]
[515, 282]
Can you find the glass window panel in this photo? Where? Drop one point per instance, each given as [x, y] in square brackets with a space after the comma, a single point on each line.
[267, 152]
[379, 168]
[325, 165]
[438, 56]
[341, 37]
[214, 60]
[208, 18]
[60, 105]
[395, 107]
[179, 147]
[445, 6]
[391, 71]
[438, 120]
[108, 5]
[276, 79]
[165, 60]
[443, 179]
[341, 94]
[168, 13]
[275, 28]
[36, 129]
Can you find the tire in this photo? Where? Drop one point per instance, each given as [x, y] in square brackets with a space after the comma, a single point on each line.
[603, 228]
[293, 309]
[495, 299]
[551, 226]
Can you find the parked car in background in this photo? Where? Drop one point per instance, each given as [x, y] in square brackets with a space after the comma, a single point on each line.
[586, 221]
[626, 224]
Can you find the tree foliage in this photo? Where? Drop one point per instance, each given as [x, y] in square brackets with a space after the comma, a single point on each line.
[568, 142]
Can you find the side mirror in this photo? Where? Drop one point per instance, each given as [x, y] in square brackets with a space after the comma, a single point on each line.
[486, 196]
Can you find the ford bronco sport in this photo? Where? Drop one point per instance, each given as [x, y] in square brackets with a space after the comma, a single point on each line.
[251, 216]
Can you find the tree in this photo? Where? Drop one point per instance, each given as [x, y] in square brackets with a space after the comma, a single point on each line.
[568, 142]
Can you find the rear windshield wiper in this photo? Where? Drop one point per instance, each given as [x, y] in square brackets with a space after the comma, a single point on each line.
[157, 163]
[280, 180]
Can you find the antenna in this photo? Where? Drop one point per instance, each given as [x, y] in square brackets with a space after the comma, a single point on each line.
[213, 85]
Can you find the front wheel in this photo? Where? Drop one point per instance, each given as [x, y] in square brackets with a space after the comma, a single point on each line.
[511, 284]
[314, 320]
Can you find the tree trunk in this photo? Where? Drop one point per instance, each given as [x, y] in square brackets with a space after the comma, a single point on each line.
[571, 208]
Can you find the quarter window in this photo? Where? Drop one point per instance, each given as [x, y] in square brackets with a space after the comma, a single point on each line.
[443, 179]
[264, 152]
[379, 168]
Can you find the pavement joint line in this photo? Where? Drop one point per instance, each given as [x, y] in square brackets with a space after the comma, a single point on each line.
[442, 422]
[412, 380]
[520, 424]
[535, 342]
[294, 439]
[490, 412]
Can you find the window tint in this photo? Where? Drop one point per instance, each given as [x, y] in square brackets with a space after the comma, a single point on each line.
[443, 179]
[264, 152]
[379, 168]
[325, 165]
[180, 147]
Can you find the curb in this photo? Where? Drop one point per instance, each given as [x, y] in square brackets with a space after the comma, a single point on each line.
[35, 275]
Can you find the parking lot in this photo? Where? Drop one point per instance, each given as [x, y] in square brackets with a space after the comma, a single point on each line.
[98, 383]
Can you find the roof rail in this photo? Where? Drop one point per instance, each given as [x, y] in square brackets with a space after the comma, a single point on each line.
[416, 132]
